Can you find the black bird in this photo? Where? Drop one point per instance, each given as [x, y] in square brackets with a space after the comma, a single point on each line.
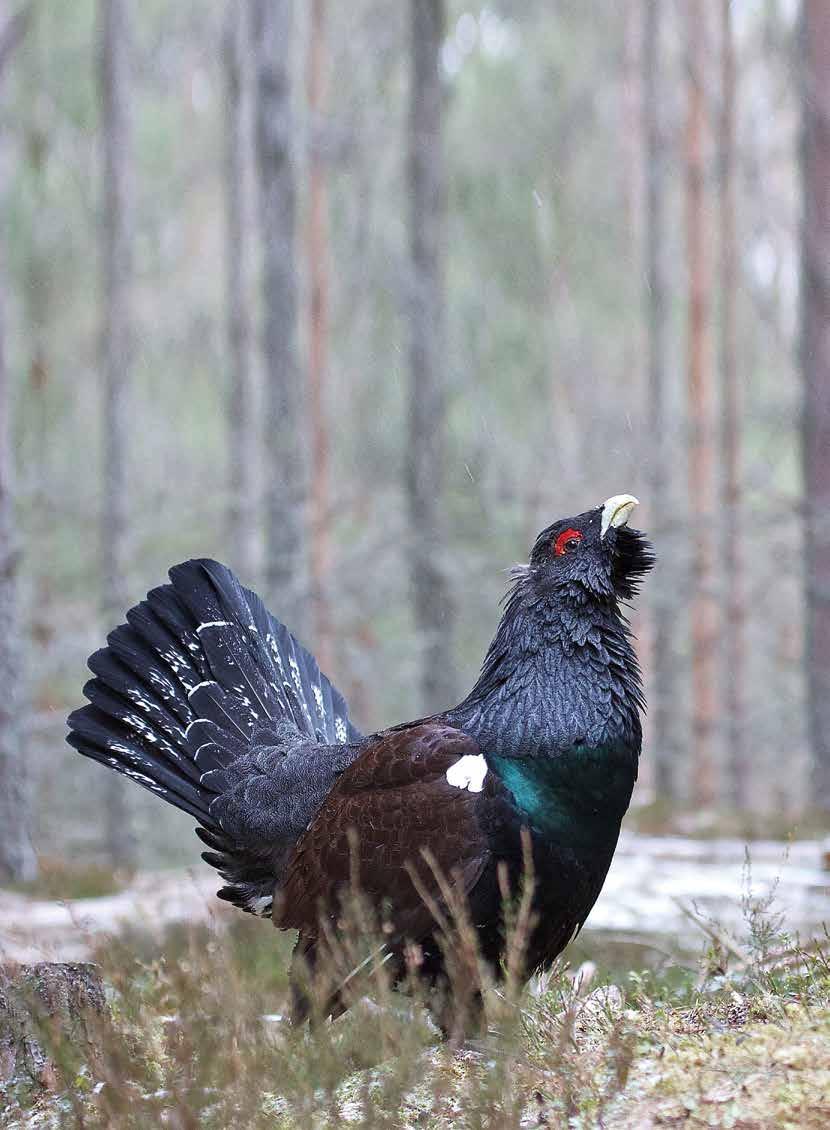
[207, 700]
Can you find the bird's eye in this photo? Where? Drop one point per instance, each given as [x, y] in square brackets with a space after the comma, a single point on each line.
[567, 541]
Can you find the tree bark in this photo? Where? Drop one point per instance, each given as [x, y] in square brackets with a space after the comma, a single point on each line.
[117, 335]
[318, 331]
[663, 721]
[734, 613]
[815, 360]
[633, 120]
[427, 356]
[285, 425]
[50, 1013]
[17, 858]
[242, 428]
[700, 392]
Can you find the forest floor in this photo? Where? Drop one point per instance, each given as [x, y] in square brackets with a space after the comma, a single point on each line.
[643, 1035]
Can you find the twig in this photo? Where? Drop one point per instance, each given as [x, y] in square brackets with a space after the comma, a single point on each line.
[709, 929]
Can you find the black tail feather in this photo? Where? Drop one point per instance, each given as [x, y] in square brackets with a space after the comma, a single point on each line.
[199, 667]
[99, 735]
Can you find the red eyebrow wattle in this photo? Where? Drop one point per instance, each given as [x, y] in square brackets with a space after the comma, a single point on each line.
[563, 539]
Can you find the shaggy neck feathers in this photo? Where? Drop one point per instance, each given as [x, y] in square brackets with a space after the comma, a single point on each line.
[560, 672]
[556, 713]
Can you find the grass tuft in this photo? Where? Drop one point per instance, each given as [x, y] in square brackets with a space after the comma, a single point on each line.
[193, 1036]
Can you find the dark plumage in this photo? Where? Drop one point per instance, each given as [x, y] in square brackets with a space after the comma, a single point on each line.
[207, 700]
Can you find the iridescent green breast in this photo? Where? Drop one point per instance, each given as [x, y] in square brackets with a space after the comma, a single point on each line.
[579, 794]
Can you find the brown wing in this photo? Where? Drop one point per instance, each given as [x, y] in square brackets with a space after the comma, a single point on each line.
[398, 800]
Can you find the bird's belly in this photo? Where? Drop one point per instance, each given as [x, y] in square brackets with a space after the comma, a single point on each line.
[565, 888]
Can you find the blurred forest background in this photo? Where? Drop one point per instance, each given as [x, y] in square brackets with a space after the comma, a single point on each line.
[356, 298]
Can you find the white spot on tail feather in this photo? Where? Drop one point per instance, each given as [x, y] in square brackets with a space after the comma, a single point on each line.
[206, 683]
[261, 904]
[193, 723]
[275, 651]
[318, 698]
[213, 624]
[468, 773]
[175, 659]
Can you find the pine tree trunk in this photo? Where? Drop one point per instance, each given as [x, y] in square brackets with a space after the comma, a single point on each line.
[116, 359]
[632, 118]
[663, 661]
[815, 355]
[701, 460]
[733, 612]
[242, 427]
[17, 859]
[318, 330]
[285, 426]
[38, 289]
[427, 354]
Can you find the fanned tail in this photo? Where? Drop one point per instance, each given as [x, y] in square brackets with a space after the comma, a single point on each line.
[199, 673]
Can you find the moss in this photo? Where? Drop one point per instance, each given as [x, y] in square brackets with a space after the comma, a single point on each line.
[761, 1074]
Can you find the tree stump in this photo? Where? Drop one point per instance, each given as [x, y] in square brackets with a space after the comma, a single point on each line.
[50, 1017]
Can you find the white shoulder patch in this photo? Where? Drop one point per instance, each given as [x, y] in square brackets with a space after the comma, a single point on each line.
[468, 773]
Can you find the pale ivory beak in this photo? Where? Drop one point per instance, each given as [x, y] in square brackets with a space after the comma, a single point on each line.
[616, 511]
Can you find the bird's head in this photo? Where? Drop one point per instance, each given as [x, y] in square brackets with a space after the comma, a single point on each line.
[595, 554]
[579, 569]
